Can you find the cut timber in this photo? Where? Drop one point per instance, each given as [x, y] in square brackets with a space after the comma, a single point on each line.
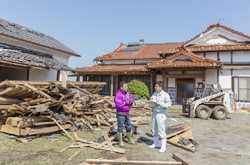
[132, 162]
[87, 123]
[64, 79]
[115, 149]
[67, 147]
[187, 135]
[62, 129]
[108, 141]
[105, 142]
[39, 92]
[182, 159]
[9, 100]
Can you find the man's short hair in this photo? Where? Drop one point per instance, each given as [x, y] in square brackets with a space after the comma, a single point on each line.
[122, 82]
[160, 84]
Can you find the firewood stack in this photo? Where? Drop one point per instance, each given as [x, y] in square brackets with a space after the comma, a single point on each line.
[32, 107]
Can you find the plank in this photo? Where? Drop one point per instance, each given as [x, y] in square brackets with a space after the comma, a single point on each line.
[183, 160]
[39, 92]
[132, 162]
[45, 130]
[87, 123]
[11, 130]
[67, 147]
[108, 141]
[115, 149]
[9, 100]
[62, 129]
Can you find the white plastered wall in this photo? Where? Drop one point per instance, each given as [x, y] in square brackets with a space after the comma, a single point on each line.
[225, 79]
[58, 55]
[158, 77]
[42, 75]
[218, 31]
[211, 76]
[242, 72]
[211, 55]
[171, 82]
[225, 57]
[241, 57]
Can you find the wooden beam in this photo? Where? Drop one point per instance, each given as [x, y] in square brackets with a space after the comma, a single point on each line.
[182, 159]
[218, 75]
[58, 75]
[166, 85]
[99, 161]
[181, 76]
[183, 69]
[203, 75]
[64, 79]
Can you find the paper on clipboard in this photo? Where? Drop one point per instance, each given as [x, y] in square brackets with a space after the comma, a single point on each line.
[151, 103]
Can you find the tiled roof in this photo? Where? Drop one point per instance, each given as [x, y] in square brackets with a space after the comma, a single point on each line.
[148, 51]
[113, 68]
[196, 61]
[18, 56]
[218, 25]
[219, 47]
[16, 31]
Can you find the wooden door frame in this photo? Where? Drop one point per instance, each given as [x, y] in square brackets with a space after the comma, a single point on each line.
[184, 81]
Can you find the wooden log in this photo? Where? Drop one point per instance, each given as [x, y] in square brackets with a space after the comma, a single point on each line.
[132, 162]
[182, 159]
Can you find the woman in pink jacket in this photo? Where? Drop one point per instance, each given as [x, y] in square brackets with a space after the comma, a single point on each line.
[123, 102]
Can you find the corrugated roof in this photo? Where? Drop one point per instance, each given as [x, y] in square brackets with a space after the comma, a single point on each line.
[16, 31]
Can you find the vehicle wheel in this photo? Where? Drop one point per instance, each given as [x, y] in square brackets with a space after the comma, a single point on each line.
[220, 112]
[203, 112]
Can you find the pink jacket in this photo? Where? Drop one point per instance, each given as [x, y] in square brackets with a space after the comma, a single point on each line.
[120, 99]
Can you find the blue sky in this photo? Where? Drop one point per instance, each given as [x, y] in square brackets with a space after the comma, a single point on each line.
[96, 27]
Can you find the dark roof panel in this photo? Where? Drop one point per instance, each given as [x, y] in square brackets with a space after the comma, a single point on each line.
[20, 32]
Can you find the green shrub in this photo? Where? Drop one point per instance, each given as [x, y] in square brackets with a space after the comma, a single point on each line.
[138, 87]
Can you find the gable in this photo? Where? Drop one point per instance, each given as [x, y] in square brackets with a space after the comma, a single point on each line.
[183, 58]
[218, 35]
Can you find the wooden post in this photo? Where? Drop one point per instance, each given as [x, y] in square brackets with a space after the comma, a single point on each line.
[28, 74]
[84, 78]
[64, 79]
[116, 84]
[167, 85]
[78, 78]
[203, 77]
[163, 79]
[151, 84]
[58, 75]
[111, 86]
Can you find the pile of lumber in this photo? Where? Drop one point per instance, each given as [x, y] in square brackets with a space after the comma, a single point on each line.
[176, 134]
[38, 107]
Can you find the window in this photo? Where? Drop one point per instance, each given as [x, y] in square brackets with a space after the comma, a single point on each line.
[242, 88]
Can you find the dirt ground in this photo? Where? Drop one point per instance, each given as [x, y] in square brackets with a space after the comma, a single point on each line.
[220, 142]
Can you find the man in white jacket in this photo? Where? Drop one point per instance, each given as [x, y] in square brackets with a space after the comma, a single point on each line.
[159, 116]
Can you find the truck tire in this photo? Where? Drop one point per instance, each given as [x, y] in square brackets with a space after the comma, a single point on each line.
[220, 112]
[203, 112]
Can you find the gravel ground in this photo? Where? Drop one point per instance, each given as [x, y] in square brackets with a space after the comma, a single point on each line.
[225, 142]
